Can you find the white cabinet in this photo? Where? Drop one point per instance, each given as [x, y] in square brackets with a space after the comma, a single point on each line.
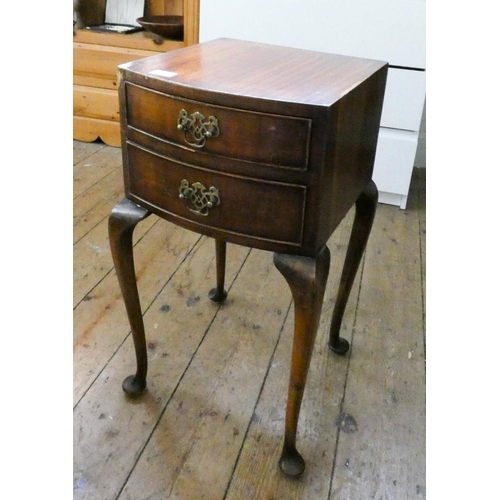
[404, 99]
[388, 30]
[395, 150]
[398, 137]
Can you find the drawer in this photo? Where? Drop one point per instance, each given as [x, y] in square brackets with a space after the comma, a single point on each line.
[247, 207]
[404, 99]
[394, 160]
[277, 140]
[100, 61]
[95, 103]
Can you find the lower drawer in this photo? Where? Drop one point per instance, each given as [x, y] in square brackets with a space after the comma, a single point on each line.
[96, 103]
[243, 206]
[394, 162]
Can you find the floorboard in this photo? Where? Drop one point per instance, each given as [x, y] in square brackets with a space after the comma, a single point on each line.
[210, 424]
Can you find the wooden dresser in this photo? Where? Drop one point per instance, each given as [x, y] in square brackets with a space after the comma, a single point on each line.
[97, 55]
[259, 145]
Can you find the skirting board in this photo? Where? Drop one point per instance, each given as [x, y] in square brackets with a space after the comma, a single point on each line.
[393, 199]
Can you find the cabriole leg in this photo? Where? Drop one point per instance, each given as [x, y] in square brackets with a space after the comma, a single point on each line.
[307, 280]
[121, 224]
[366, 206]
[218, 294]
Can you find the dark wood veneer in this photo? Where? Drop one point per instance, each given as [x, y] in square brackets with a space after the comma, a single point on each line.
[294, 151]
[275, 140]
[245, 202]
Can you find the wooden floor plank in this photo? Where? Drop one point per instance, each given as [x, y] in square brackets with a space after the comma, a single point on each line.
[92, 259]
[381, 454]
[100, 320]
[422, 209]
[362, 426]
[94, 168]
[257, 475]
[95, 204]
[82, 150]
[118, 428]
[194, 448]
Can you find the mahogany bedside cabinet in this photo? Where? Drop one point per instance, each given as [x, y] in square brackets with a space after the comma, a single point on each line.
[258, 145]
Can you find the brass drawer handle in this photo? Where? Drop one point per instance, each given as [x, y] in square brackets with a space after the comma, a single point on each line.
[198, 198]
[197, 129]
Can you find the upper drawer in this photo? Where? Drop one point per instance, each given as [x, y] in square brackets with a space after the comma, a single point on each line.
[404, 99]
[101, 61]
[268, 139]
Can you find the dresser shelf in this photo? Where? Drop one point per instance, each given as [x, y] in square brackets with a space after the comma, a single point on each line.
[95, 60]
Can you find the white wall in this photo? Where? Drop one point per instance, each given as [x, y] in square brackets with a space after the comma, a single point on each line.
[388, 30]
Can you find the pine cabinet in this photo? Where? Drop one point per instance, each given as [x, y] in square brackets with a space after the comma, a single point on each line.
[97, 55]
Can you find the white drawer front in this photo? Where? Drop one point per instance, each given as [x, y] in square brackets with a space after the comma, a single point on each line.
[394, 160]
[404, 99]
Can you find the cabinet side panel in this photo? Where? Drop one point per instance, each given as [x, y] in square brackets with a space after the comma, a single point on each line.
[349, 162]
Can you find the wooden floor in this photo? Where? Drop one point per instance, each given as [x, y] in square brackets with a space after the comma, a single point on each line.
[210, 425]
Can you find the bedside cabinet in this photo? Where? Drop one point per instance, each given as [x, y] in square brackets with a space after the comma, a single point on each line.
[258, 145]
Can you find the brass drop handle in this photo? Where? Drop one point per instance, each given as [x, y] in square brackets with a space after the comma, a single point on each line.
[198, 198]
[197, 129]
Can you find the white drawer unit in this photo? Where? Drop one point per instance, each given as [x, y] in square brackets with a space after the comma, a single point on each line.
[387, 30]
[398, 136]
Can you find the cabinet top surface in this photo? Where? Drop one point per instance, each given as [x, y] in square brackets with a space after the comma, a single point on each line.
[258, 70]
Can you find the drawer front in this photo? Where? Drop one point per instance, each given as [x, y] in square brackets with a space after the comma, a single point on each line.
[404, 99]
[262, 210]
[276, 140]
[96, 103]
[394, 160]
[101, 61]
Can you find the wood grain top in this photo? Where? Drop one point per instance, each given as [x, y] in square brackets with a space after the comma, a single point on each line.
[259, 71]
